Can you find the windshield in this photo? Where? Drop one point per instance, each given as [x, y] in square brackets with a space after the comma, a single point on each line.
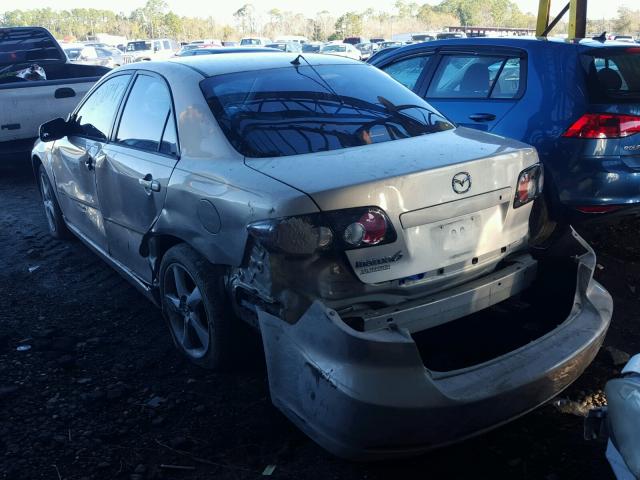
[250, 41]
[613, 75]
[136, 46]
[73, 53]
[303, 109]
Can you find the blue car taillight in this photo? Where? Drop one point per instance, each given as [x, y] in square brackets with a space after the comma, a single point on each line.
[334, 230]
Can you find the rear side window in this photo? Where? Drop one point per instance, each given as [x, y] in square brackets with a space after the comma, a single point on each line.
[613, 75]
[477, 76]
[408, 70]
[167, 45]
[146, 116]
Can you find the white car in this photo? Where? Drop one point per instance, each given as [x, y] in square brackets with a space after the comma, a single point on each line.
[255, 41]
[342, 50]
[146, 50]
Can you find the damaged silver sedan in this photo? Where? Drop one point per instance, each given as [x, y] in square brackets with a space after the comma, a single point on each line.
[383, 254]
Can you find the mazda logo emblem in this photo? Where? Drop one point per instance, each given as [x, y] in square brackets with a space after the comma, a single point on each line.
[461, 182]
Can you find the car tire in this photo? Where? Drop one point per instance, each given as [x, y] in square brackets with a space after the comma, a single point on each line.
[541, 226]
[55, 220]
[196, 308]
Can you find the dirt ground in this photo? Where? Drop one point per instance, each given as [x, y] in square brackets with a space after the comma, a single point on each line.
[102, 393]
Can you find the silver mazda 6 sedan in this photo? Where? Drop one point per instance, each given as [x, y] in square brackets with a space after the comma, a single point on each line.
[404, 297]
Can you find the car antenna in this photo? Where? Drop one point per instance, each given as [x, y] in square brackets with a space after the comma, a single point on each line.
[296, 62]
[601, 38]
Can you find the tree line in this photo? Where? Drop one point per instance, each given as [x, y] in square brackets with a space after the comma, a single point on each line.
[156, 20]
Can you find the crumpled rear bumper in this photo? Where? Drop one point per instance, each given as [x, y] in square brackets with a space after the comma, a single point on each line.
[368, 395]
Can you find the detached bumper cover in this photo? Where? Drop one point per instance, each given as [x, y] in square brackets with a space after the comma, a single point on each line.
[367, 395]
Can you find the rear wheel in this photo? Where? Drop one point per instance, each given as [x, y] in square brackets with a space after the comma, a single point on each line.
[195, 306]
[55, 220]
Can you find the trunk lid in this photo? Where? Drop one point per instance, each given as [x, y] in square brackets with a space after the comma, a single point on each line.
[441, 232]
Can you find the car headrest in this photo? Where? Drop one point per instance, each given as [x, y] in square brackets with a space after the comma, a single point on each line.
[610, 79]
[475, 80]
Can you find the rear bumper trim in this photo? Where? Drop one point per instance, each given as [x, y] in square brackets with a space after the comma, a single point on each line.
[458, 302]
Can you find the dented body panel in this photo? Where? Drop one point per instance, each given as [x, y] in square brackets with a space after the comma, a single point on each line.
[368, 395]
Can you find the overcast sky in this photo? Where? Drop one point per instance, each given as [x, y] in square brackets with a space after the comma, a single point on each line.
[223, 10]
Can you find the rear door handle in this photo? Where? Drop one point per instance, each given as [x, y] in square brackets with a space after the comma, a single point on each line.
[149, 184]
[482, 117]
[89, 162]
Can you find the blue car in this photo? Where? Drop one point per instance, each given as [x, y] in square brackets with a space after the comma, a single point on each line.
[578, 103]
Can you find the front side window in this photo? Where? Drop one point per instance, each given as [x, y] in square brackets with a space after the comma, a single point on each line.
[408, 70]
[303, 109]
[167, 45]
[476, 76]
[95, 116]
[146, 115]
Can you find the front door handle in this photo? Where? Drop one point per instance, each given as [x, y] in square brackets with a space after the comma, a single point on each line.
[482, 117]
[149, 184]
[89, 162]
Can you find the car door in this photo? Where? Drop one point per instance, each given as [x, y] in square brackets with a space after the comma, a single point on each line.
[74, 158]
[132, 180]
[477, 88]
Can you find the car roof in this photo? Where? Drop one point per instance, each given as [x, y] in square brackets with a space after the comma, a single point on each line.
[210, 65]
[526, 43]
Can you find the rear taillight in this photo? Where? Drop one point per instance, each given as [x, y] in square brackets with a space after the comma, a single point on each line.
[335, 230]
[603, 125]
[530, 184]
[598, 209]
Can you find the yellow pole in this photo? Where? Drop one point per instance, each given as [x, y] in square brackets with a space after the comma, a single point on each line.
[578, 19]
[544, 8]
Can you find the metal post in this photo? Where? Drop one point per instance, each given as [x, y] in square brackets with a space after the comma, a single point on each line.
[578, 19]
[544, 9]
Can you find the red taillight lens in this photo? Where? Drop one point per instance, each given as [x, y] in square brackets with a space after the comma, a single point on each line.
[603, 125]
[598, 208]
[370, 229]
[530, 183]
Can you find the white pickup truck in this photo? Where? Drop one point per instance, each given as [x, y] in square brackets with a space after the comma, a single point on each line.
[37, 84]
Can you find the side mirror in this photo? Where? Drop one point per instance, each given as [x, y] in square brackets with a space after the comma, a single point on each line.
[54, 130]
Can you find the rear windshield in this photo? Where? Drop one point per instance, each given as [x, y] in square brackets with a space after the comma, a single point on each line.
[303, 109]
[613, 75]
[24, 45]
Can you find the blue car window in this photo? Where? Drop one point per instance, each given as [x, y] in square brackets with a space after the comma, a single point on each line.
[474, 76]
[408, 70]
[508, 83]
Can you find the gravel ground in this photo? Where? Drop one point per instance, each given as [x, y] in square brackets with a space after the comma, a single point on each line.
[102, 393]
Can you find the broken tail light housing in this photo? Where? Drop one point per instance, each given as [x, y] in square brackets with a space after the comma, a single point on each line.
[345, 229]
[603, 125]
[530, 184]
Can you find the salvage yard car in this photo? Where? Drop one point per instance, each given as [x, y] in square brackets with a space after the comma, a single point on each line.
[577, 102]
[37, 83]
[381, 253]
